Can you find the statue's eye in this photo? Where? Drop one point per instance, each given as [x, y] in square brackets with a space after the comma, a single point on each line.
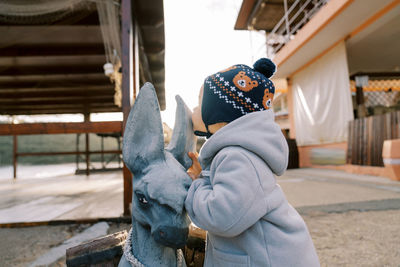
[142, 199]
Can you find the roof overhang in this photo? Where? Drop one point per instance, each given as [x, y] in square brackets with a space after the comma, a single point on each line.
[56, 66]
[260, 14]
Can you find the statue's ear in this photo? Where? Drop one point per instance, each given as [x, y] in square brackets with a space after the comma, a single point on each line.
[143, 140]
[183, 139]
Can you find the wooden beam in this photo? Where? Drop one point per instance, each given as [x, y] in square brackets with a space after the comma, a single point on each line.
[154, 49]
[52, 50]
[61, 128]
[60, 110]
[50, 34]
[53, 81]
[11, 102]
[388, 74]
[29, 154]
[57, 92]
[56, 69]
[244, 13]
[58, 106]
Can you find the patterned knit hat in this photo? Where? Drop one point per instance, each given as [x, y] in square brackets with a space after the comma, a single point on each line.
[236, 91]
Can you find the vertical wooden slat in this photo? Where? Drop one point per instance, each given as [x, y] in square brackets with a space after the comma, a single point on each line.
[360, 129]
[373, 140]
[349, 142]
[365, 141]
[359, 142]
[355, 142]
[354, 147]
[355, 154]
[370, 140]
[381, 132]
[376, 139]
[388, 132]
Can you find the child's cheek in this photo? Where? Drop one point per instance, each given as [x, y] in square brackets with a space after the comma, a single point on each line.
[198, 124]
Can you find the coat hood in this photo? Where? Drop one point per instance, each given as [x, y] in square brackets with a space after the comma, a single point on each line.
[256, 132]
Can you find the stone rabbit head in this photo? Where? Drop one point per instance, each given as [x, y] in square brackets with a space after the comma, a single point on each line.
[160, 181]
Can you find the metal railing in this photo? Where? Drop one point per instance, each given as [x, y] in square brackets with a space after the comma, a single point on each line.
[294, 18]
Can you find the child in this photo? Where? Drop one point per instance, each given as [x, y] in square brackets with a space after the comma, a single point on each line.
[235, 197]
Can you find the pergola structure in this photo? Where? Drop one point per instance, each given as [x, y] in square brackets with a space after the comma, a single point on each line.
[54, 65]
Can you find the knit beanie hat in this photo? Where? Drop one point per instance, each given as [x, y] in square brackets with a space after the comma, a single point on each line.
[236, 91]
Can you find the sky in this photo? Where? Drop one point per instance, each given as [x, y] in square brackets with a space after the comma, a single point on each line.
[200, 40]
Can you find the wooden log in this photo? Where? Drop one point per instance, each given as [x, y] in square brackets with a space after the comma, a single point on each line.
[197, 232]
[195, 248]
[105, 251]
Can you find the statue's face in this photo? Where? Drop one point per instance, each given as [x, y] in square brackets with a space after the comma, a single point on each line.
[158, 202]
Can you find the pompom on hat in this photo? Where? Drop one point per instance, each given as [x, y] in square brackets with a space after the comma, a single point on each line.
[237, 91]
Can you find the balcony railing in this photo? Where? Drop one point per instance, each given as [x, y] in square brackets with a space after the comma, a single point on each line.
[294, 18]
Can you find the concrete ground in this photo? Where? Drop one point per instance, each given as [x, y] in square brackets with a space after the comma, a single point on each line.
[53, 192]
[338, 191]
[353, 219]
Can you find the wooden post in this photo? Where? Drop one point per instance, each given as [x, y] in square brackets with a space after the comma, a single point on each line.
[103, 165]
[127, 86]
[87, 119]
[77, 151]
[15, 150]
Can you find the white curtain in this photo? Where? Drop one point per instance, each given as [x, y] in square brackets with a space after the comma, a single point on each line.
[322, 99]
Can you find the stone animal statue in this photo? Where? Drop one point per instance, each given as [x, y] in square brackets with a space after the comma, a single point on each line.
[160, 183]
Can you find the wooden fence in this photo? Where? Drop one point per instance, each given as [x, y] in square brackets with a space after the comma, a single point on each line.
[366, 136]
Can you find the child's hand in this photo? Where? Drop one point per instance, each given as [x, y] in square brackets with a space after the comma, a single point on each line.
[194, 170]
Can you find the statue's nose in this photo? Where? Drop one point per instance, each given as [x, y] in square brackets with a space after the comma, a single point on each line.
[171, 236]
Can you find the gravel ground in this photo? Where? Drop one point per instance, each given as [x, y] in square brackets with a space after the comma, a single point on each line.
[341, 239]
[356, 238]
